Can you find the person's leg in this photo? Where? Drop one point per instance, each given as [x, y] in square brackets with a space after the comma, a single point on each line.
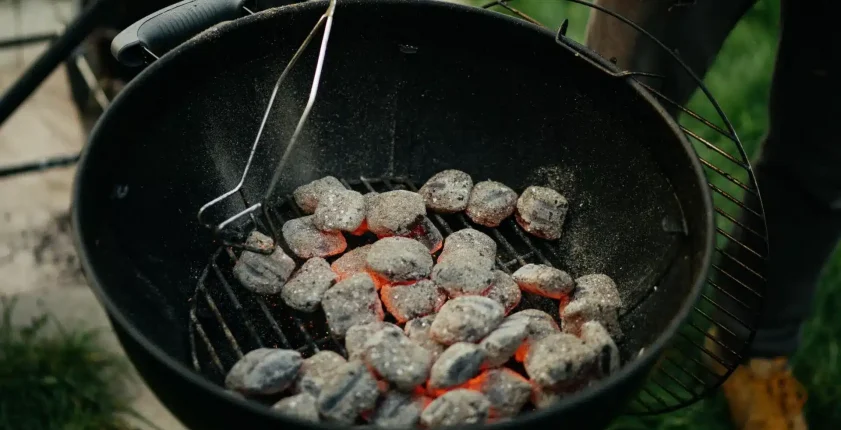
[695, 31]
[799, 174]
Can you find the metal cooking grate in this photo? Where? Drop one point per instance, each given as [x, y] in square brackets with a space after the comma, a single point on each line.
[264, 321]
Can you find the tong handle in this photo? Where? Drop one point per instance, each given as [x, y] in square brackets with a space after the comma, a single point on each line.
[169, 27]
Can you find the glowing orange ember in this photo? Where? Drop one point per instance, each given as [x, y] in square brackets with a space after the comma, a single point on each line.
[379, 281]
[522, 351]
[362, 229]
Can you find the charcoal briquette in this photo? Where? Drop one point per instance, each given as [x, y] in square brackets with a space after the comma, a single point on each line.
[307, 241]
[469, 239]
[463, 276]
[316, 370]
[397, 359]
[490, 203]
[393, 213]
[466, 319]
[264, 371]
[447, 191]
[543, 398]
[405, 302]
[505, 291]
[349, 392]
[544, 280]
[262, 273]
[506, 390]
[259, 241]
[559, 360]
[340, 210]
[418, 331]
[460, 362]
[303, 406]
[598, 338]
[456, 407]
[540, 325]
[304, 291]
[399, 410]
[351, 302]
[426, 233]
[307, 196]
[501, 344]
[399, 259]
[596, 298]
[541, 211]
[351, 263]
[357, 335]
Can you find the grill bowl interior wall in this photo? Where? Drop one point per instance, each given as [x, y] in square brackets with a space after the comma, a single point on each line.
[424, 93]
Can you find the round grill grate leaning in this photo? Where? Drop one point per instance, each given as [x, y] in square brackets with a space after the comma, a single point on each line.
[705, 351]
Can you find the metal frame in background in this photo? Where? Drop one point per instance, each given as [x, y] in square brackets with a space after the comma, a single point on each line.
[62, 47]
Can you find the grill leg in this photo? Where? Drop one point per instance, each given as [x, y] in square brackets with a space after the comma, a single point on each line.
[58, 51]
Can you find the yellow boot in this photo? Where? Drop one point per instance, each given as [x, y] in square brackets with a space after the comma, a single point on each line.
[764, 395]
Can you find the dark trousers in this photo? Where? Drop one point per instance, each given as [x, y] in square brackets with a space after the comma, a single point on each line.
[799, 166]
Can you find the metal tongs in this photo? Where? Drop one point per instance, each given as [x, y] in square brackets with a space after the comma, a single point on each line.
[326, 21]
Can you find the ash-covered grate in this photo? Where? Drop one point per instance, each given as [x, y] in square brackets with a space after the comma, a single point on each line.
[227, 321]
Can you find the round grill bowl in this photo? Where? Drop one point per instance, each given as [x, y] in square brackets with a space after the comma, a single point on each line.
[409, 88]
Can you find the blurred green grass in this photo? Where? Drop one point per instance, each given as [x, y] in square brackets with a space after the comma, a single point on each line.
[740, 80]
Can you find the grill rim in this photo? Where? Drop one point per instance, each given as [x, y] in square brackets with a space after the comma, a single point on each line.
[633, 373]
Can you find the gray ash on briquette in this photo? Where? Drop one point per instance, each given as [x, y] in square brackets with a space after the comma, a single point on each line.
[490, 203]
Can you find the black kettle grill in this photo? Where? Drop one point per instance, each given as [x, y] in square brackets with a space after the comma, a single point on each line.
[408, 88]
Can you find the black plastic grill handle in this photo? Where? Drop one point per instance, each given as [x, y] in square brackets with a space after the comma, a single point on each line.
[169, 27]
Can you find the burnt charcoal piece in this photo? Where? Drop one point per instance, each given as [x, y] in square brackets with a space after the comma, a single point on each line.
[469, 239]
[544, 280]
[543, 398]
[418, 331]
[503, 342]
[351, 263]
[595, 298]
[463, 276]
[507, 391]
[307, 196]
[447, 191]
[540, 325]
[260, 241]
[306, 241]
[262, 273]
[397, 359]
[466, 319]
[456, 365]
[264, 371]
[316, 370]
[505, 291]
[426, 233]
[357, 335]
[302, 406]
[351, 302]
[559, 360]
[490, 203]
[598, 338]
[351, 390]
[541, 211]
[340, 210]
[456, 407]
[304, 291]
[393, 213]
[398, 259]
[399, 410]
[405, 302]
